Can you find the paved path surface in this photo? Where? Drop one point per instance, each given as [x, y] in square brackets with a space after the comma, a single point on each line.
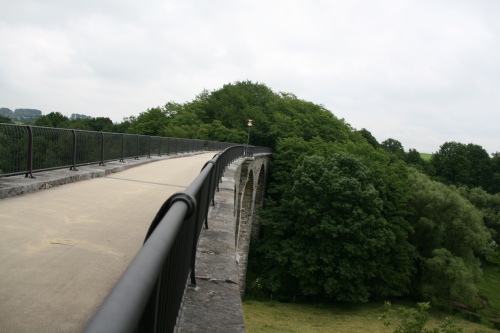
[62, 249]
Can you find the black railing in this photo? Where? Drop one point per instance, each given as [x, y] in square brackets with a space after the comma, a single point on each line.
[28, 149]
[148, 297]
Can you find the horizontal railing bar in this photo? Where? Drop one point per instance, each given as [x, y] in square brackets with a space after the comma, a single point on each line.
[31, 149]
[122, 309]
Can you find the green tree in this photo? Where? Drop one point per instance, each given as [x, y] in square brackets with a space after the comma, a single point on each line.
[5, 120]
[327, 237]
[293, 117]
[57, 119]
[481, 168]
[414, 157]
[223, 115]
[447, 277]
[452, 164]
[53, 119]
[43, 121]
[122, 127]
[489, 206]
[460, 164]
[183, 122]
[369, 138]
[495, 170]
[275, 116]
[151, 122]
[394, 147]
[99, 124]
[446, 225]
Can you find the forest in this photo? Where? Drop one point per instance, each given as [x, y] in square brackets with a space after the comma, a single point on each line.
[346, 218]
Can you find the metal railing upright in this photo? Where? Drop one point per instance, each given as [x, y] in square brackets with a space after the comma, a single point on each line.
[26, 149]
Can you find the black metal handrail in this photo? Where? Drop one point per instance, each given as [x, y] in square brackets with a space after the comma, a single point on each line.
[26, 149]
[148, 297]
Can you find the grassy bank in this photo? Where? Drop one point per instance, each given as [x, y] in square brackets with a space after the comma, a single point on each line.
[490, 286]
[425, 156]
[272, 317]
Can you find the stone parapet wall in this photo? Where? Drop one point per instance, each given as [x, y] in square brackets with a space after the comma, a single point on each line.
[214, 305]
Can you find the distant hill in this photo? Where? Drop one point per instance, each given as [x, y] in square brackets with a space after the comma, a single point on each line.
[26, 115]
[6, 112]
[75, 116]
[30, 115]
[21, 115]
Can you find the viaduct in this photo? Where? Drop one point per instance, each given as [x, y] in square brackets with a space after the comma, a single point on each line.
[53, 279]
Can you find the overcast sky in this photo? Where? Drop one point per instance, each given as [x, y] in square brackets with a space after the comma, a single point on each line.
[423, 72]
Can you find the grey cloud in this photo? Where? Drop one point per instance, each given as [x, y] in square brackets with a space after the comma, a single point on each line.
[422, 72]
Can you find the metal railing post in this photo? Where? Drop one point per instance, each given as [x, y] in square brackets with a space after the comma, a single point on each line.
[149, 148]
[123, 148]
[73, 167]
[29, 166]
[101, 163]
[137, 147]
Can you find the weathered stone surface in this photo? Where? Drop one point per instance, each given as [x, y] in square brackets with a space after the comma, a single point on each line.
[215, 304]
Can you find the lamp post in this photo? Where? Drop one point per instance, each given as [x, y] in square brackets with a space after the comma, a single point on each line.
[248, 139]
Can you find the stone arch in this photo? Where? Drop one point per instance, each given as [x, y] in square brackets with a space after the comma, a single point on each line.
[239, 187]
[249, 189]
[258, 201]
[244, 228]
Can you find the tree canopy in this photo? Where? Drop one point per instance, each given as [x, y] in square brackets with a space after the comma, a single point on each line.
[5, 120]
[460, 164]
[328, 238]
[222, 115]
[450, 237]
[346, 218]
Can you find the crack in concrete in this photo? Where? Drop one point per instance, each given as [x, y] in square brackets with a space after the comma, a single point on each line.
[144, 182]
[206, 278]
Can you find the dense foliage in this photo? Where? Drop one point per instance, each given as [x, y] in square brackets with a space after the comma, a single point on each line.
[5, 120]
[328, 236]
[56, 119]
[470, 165]
[222, 115]
[450, 237]
[414, 320]
[346, 218]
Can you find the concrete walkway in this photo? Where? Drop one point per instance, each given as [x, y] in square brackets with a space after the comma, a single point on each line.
[62, 249]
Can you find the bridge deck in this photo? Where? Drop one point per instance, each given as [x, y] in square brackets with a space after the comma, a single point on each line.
[61, 250]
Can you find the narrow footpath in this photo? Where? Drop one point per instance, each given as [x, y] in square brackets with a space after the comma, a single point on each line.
[62, 249]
